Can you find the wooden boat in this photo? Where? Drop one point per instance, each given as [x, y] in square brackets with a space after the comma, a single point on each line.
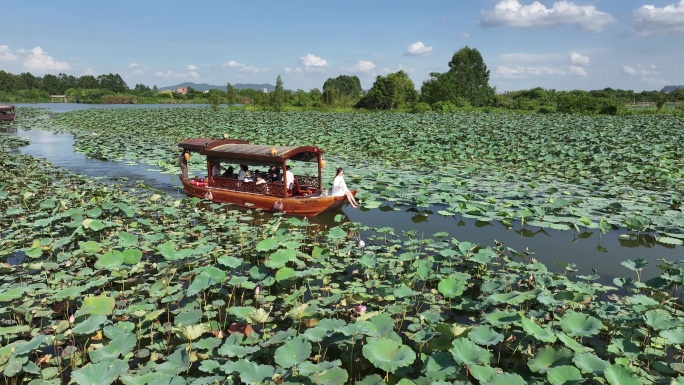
[306, 197]
[7, 114]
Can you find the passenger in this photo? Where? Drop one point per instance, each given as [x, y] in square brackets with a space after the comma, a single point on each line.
[216, 169]
[248, 177]
[229, 173]
[274, 174]
[340, 188]
[183, 164]
[260, 179]
[243, 172]
[289, 178]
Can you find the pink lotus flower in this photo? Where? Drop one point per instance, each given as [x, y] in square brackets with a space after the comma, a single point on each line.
[257, 290]
[361, 309]
[72, 318]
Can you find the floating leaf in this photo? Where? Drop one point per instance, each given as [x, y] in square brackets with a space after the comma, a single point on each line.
[387, 354]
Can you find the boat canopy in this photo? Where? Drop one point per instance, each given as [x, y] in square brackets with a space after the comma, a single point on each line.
[241, 152]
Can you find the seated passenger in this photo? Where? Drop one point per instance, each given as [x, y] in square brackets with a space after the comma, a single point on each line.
[229, 173]
[248, 176]
[274, 174]
[260, 179]
[243, 172]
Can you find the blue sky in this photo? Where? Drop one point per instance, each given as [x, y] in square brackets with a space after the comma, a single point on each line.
[563, 45]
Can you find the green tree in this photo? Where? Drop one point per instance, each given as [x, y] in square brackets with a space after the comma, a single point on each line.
[394, 91]
[467, 77]
[343, 90]
[31, 81]
[277, 98]
[215, 98]
[88, 82]
[231, 94]
[112, 82]
[52, 85]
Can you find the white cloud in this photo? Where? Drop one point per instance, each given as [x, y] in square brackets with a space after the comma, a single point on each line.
[418, 48]
[511, 13]
[39, 61]
[521, 71]
[577, 70]
[649, 19]
[242, 68]
[5, 54]
[177, 75]
[364, 66]
[313, 62]
[640, 70]
[519, 57]
[579, 59]
[133, 65]
[89, 71]
[192, 67]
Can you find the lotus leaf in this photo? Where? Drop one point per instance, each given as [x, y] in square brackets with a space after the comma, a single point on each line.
[439, 366]
[103, 373]
[590, 363]
[233, 348]
[35, 343]
[538, 332]
[505, 379]
[280, 258]
[177, 362]
[673, 336]
[387, 354]
[293, 352]
[120, 345]
[617, 374]
[111, 260]
[465, 352]
[332, 376]
[550, 357]
[658, 319]
[451, 287]
[93, 323]
[249, 372]
[580, 324]
[485, 335]
[100, 304]
[564, 375]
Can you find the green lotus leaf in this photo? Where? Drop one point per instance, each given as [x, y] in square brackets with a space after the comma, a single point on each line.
[485, 335]
[538, 332]
[404, 291]
[119, 346]
[482, 373]
[189, 317]
[332, 376]
[233, 348]
[267, 244]
[284, 274]
[11, 294]
[15, 365]
[380, 325]
[572, 344]
[439, 366]
[249, 372]
[99, 304]
[93, 224]
[673, 336]
[241, 311]
[465, 352]
[658, 319]
[229, 261]
[102, 373]
[35, 343]
[564, 375]
[280, 258]
[635, 264]
[132, 256]
[372, 379]
[293, 352]
[387, 354]
[513, 298]
[337, 233]
[90, 325]
[111, 260]
[590, 363]
[89, 246]
[451, 287]
[550, 357]
[502, 317]
[580, 324]
[617, 374]
[177, 362]
[169, 252]
[505, 379]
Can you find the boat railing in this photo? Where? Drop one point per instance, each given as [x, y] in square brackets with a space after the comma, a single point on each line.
[269, 188]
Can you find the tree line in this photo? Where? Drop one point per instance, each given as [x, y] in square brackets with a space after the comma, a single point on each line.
[465, 84]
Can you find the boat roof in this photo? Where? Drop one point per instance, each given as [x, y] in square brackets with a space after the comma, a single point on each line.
[5, 107]
[240, 151]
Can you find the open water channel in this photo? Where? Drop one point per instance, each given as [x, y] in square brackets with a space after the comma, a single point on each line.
[589, 251]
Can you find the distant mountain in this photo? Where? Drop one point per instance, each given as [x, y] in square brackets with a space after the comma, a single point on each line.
[207, 87]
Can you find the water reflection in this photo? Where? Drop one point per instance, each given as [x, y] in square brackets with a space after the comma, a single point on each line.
[589, 250]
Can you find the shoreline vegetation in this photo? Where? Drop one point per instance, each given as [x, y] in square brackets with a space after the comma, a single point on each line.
[119, 283]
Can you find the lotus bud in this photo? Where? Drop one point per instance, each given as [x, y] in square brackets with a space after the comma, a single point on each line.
[362, 244]
[274, 151]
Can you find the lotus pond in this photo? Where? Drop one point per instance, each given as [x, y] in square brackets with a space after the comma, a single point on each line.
[120, 283]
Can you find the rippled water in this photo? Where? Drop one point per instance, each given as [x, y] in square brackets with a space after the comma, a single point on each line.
[589, 251]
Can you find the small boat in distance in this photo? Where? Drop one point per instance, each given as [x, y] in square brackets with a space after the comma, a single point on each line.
[7, 113]
[304, 197]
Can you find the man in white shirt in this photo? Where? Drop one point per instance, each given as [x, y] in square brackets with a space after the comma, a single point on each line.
[288, 178]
